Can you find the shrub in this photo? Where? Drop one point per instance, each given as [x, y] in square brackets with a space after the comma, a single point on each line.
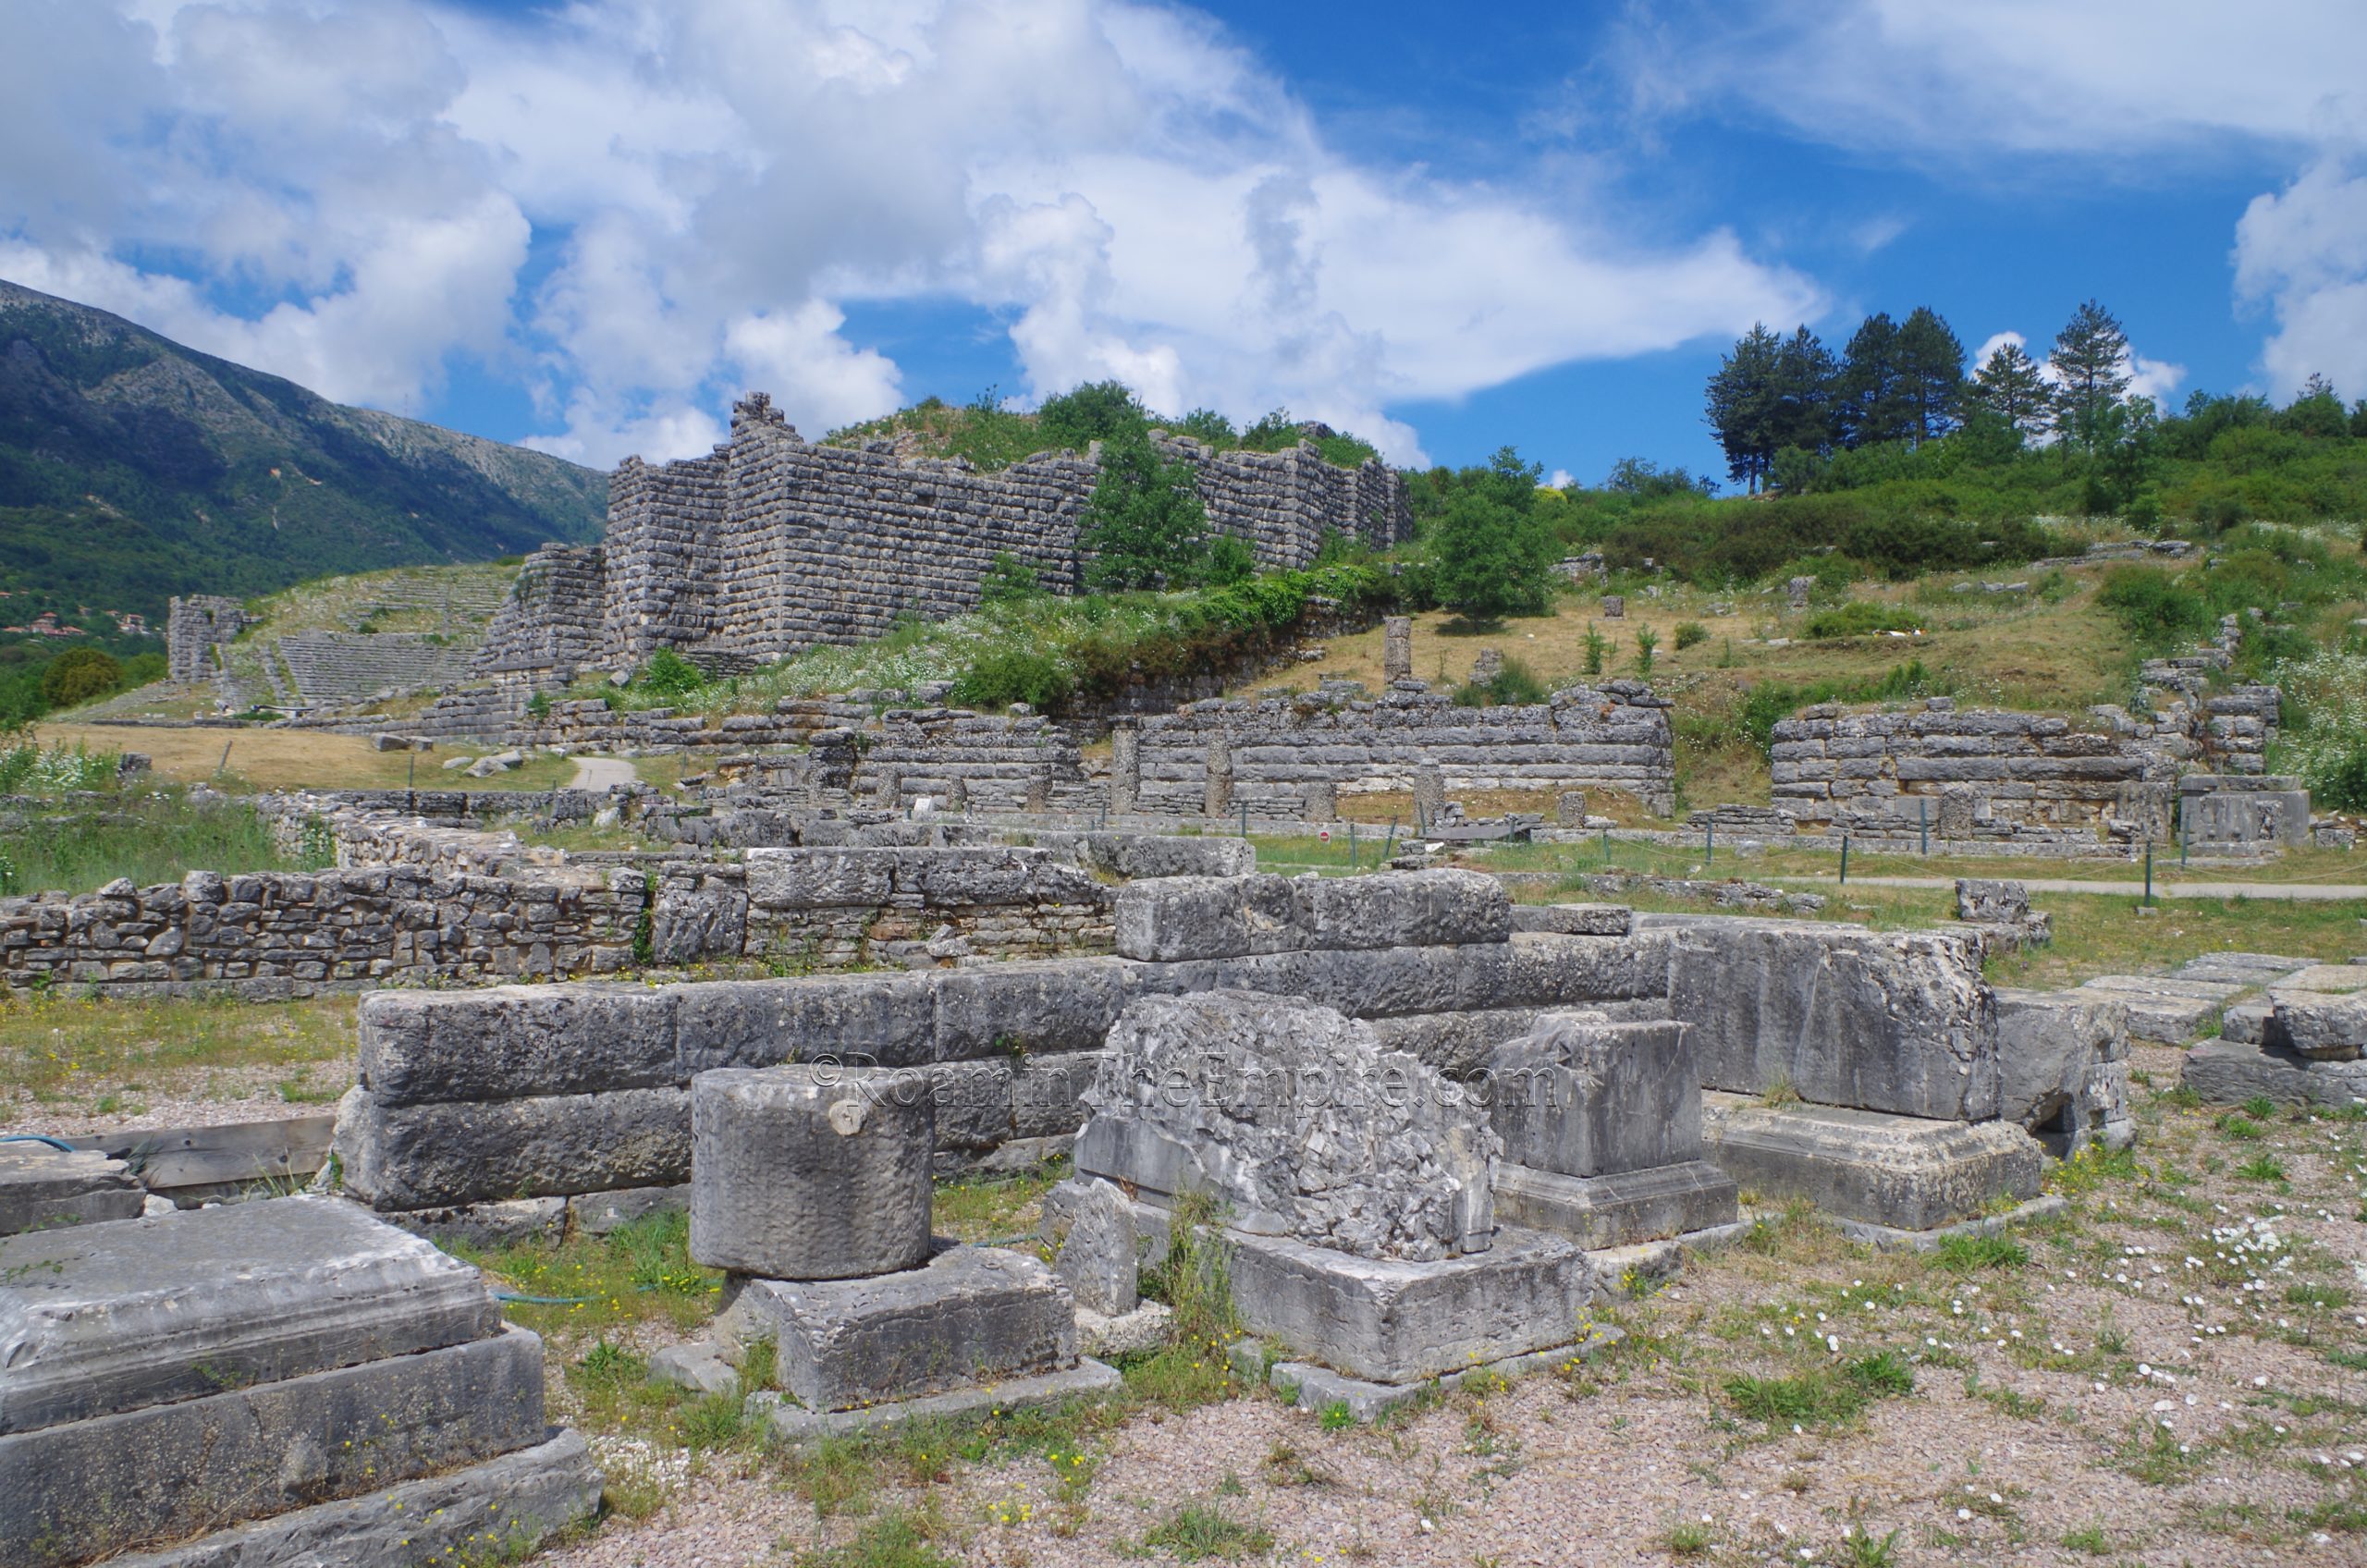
[1004, 676]
[1769, 702]
[1860, 618]
[669, 674]
[1007, 581]
[1144, 524]
[2157, 611]
[1514, 685]
[1690, 633]
[1646, 639]
[143, 670]
[1597, 646]
[79, 675]
[1230, 560]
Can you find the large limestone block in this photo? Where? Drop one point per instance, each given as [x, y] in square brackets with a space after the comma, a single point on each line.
[1043, 1005]
[102, 1318]
[1909, 1172]
[1098, 1256]
[1892, 1021]
[858, 1020]
[2321, 1026]
[420, 1047]
[2049, 1046]
[2231, 1072]
[1141, 856]
[1296, 1121]
[1621, 1210]
[969, 1315]
[1579, 1096]
[41, 1187]
[1394, 1321]
[86, 1490]
[1199, 917]
[811, 1172]
[432, 1156]
[516, 1500]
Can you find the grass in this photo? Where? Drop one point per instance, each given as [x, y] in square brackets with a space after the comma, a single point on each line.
[61, 1045]
[150, 836]
[1822, 1396]
[248, 760]
[1198, 1531]
[1963, 1254]
[988, 1208]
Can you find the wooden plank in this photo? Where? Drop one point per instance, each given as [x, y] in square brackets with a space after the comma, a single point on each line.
[287, 1148]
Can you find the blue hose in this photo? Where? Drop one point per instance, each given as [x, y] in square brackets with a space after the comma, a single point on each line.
[38, 1138]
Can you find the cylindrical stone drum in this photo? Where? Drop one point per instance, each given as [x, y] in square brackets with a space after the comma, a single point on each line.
[816, 1171]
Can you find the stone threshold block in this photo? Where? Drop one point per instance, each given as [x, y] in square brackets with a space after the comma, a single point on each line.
[496, 1511]
[969, 1316]
[86, 1490]
[102, 1319]
[2241, 969]
[42, 1188]
[1320, 1388]
[793, 1424]
[1658, 1202]
[1890, 1238]
[1390, 1321]
[1902, 1171]
[2165, 1009]
[2229, 1071]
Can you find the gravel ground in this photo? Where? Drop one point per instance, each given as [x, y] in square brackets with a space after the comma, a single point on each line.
[187, 1097]
[2175, 1372]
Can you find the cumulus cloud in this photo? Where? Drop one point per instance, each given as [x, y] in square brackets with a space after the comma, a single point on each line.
[2303, 253]
[2146, 377]
[635, 208]
[2124, 84]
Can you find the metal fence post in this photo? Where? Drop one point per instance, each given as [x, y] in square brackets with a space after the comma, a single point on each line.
[1845, 860]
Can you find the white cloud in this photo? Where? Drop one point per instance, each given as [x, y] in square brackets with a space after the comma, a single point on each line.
[2146, 377]
[1562, 480]
[2303, 252]
[2128, 84]
[639, 207]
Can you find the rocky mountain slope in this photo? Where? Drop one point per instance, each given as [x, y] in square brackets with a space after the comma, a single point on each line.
[133, 468]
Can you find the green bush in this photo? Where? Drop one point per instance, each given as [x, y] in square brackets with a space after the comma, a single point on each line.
[1514, 685]
[1145, 524]
[2158, 612]
[80, 674]
[1230, 560]
[1014, 675]
[144, 669]
[1690, 633]
[669, 674]
[1770, 702]
[1861, 618]
[1008, 580]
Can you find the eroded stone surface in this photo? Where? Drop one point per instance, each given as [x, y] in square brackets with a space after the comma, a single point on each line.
[811, 1172]
[1909, 1172]
[1296, 1121]
[42, 1187]
[1581, 1095]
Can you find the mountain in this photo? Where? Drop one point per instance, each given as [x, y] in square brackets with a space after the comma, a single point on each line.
[133, 468]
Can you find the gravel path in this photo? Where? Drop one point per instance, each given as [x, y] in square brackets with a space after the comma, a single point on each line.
[603, 773]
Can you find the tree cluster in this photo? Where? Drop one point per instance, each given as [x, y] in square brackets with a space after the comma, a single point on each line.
[1895, 380]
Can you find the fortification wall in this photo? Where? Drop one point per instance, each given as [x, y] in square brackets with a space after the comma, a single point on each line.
[193, 627]
[771, 543]
[1273, 756]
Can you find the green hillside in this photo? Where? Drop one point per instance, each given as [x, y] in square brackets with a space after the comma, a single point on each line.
[133, 468]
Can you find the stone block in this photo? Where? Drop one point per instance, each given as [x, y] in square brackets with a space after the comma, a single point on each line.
[42, 1187]
[1893, 1022]
[596, 1214]
[969, 1314]
[87, 1490]
[1988, 900]
[1194, 917]
[2321, 1026]
[1096, 1250]
[1393, 1321]
[1550, 970]
[1578, 1096]
[973, 1102]
[1912, 1174]
[2229, 1072]
[2049, 1043]
[1620, 1209]
[790, 1424]
[1039, 1006]
[429, 1155]
[1575, 920]
[1141, 856]
[420, 1047]
[1294, 1119]
[1047, 1093]
[860, 1020]
[515, 1501]
[811, 1173]
[2169, 1010]
[103, 1318]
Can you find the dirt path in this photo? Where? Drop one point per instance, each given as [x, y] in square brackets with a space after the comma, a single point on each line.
[2318, 891]
[603, 773]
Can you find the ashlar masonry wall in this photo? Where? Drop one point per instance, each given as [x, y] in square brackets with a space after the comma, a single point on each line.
[771, 543]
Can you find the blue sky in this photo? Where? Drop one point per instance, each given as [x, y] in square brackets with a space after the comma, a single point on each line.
[588, 225]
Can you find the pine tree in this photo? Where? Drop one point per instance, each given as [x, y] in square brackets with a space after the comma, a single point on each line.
[2091, 362]
[1803, 411]
[1741, 399]
[1873, 401]
[2009, 385]
[1930, 370]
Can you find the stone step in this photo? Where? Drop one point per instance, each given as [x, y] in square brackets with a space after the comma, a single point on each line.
[113, 1317]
